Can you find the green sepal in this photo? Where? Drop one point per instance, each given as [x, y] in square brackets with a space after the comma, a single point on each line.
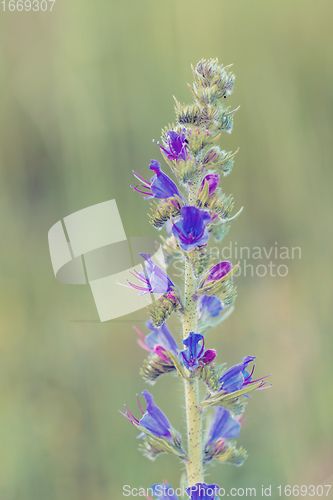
[217, 203]
[154, 366]
[229, 454]
[233, 401]
[227, 294]
[220, 226]
[235, 456]
[210, 376]
[203, 195]
[151, 446]
[162, 211]
[179, 367]
[222, 205]
[213, 118]
[183, 170]
[225, 120]
[162, 308]
[198, 139]
[186, 170]
[217, 160]
[191, 114]
[209, 74]
[205, 96]
[218, 229]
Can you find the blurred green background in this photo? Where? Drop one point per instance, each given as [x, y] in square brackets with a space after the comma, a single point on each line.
[83, 91]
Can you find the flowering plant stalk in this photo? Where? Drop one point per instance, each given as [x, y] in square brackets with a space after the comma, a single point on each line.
[193, 210]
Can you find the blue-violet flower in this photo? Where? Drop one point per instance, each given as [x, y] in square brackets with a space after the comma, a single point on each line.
[160, 185]
[213, 182]
[163, 491]
[223, 426]
[210, 305]
[190, 229]
[238, 377]
[203, 491]
[153, 418]
[176, 146]
[154, 279]
[195, 353]
[160, 340]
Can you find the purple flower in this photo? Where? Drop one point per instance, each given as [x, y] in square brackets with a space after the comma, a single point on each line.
[160, 340]
[160, 185]
[213, 182]
[195, 355]
[154, 279]
[210, 305]
[163, 491]
[203, 491]
[190, 229]
[238, 377]
[153, 418]
[223, 427]
[176, 146]
[217, 272]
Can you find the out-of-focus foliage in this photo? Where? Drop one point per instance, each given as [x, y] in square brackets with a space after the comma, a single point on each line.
[83, 91]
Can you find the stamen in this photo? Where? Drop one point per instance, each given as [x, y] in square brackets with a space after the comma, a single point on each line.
[138, 190]
[220, 446]
[139, 332]
[139, 404]
[243, 422]
[123, 284]
[140, 178]
[258, 379]
[136, 287]
[144, 346]
[137, 275]
[167, 152]
[250, 373]
[132, 416]
[129, 415]
[264, 386]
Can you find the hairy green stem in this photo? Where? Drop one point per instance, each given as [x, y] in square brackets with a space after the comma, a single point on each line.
[194, 466]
